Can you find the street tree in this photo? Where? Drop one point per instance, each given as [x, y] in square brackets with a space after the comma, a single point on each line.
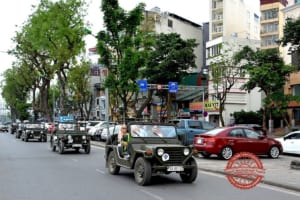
[48, 44]
[79, 85]
[224, 76]
[268, 72]
[172, 54]
[121, 50]
[15, 93]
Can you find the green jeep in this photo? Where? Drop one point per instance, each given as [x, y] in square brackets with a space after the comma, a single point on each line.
[34, 130]
[69, 135]
[153, 149]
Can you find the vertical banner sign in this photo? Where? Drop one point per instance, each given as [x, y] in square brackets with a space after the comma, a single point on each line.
[173, 87]
[143, 85]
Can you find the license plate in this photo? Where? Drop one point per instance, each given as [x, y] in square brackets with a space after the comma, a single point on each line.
[76, 145]
[175, 168]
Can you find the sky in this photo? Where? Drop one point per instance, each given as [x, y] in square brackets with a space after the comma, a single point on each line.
[14, 13]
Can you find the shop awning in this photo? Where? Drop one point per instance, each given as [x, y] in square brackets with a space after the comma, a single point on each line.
[189, 95]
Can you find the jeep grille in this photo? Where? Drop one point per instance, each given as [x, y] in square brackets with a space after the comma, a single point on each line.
[176, 156]
[77, 138]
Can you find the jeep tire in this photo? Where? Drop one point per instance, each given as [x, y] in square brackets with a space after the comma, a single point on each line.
[142, 171]
[113, 168]
[190, 175]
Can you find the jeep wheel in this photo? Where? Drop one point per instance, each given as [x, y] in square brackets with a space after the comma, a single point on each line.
[44, 138]
[52, 146]
[61, 147]
[113, 168]
[142, 171]
[190, 175]
[87, 149]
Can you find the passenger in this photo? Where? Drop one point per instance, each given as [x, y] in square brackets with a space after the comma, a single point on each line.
[124, 138]
[156, 130]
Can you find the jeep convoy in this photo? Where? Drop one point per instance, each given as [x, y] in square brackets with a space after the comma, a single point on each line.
[154, 149]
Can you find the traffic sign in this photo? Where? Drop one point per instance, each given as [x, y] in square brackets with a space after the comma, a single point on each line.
[143, 85]
[173, 87]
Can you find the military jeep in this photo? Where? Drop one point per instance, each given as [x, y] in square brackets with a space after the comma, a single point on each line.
[153, 149]
[69, 135]
[34, 130]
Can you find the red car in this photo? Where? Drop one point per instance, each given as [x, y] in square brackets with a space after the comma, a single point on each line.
[226, 141]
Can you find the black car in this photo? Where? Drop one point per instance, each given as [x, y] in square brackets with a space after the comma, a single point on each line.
[153, 149]
[34, 130]
[70, 135]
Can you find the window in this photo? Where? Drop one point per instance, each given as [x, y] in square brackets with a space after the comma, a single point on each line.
[296, 59]
[296, 90]
[251, 134]
[195, 124]
[236, 133]
[269, 41]
[270, 14]
[170, 23]
[270, 27]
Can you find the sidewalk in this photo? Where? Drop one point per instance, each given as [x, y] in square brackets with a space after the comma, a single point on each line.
[277, 171]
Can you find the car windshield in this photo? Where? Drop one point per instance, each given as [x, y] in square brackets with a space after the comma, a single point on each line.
[151, 130]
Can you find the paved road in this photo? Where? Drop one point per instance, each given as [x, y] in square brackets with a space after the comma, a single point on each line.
[31, 171]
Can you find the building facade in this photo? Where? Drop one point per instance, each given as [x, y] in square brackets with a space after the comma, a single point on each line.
[292, 57]
[235, 25]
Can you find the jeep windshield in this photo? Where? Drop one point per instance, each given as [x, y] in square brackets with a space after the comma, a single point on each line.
[152, 131]
[34, 126]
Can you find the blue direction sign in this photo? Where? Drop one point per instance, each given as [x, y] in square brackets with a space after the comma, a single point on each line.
[143, 85]
[66, 118]
[173, 87]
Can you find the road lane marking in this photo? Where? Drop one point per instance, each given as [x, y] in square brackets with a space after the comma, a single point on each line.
[97, 147]
[152, 195]
[75, 160]
[100, 171]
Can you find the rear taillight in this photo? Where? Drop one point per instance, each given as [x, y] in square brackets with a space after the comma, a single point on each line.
[210, 140]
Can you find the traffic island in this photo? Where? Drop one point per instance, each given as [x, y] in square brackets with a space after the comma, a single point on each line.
[295, 164]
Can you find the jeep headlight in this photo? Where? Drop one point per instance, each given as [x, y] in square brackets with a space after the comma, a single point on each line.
[31, 131]
[84, 137]
[186, 151]
[160, 151]
[69, 137]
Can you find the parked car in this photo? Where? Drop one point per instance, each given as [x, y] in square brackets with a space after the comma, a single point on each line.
[113, 130]
[4, 128]
[34, 130]
[69, 136]
[151, 154]
[290, 142]
[95, 132]
[91, 124]
[187, 128]
[227, 141]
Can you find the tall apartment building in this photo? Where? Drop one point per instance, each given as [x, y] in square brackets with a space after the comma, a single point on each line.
[292, 57]
[272, 22]
[235, 24]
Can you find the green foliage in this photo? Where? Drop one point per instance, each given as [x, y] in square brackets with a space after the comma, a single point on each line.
[170, 54]
[268, 72]
[291, 33]
[48, 44]
[250, 117]
[14, 92]
[121, 49]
